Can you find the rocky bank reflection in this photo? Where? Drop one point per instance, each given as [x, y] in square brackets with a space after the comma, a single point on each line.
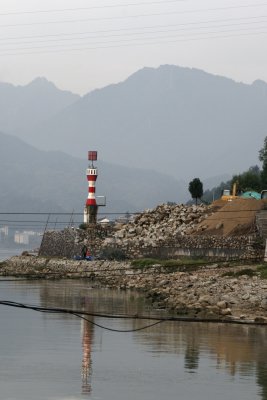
[237, 349]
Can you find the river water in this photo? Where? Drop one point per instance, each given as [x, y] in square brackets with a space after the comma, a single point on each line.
[58, 356]
[6, 253]
[46, 356]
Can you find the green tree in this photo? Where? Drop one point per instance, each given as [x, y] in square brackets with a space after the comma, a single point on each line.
[196, 189]
[263, 159]
[248, 180]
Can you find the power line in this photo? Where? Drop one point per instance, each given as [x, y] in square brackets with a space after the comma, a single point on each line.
[110, 213]
[56, 10]
[65, 213]
[126, 40]
[32, 221]
[132, 16]
[157, 42]
[144, 27]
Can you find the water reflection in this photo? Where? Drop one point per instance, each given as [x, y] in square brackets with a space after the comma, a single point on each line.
[87, 337]
[75, 298]
[191, 356]
[238, 350]
[262, 378]
[80, 296]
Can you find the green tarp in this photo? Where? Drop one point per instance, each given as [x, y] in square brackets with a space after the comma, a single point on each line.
[251, 195]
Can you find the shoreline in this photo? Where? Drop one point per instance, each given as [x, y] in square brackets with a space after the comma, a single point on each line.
[208, 293]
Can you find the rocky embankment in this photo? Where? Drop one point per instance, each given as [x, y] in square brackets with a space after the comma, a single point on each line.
[163, 223]
[167, 232]
[201, 292]
[171, 231]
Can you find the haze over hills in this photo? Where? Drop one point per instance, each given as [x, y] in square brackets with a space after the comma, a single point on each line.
[32, 180]
[22, 107]
[179, 121]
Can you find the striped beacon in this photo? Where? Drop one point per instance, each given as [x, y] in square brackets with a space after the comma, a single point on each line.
[90, 210]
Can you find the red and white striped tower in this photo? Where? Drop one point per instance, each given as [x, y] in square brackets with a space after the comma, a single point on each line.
[90, 209]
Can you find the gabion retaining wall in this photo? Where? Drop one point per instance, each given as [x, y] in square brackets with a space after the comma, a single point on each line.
[69, 242]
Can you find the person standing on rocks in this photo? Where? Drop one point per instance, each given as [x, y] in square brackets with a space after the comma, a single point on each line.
[84, 251]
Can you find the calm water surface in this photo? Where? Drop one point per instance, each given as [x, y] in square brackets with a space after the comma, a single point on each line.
[7, 253]
[45, 356]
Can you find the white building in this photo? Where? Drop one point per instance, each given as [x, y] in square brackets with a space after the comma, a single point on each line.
[4, 230]
[21, 238]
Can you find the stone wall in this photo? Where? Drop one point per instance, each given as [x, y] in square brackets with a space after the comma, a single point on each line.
[69, 242]
[245, 247]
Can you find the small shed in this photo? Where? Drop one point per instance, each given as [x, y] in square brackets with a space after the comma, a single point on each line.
[104, 221]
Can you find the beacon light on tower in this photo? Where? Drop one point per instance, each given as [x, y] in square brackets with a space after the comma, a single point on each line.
[91, 206]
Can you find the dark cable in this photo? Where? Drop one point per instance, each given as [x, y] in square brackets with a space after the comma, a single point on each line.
[158, 321]
[118, 330]
[78, 314]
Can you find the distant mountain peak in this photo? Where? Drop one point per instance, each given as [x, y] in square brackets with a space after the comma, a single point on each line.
[41, 82]
[24, 106]
[259, 83]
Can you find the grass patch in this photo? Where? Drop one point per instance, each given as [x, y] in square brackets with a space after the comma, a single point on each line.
[144, 262]
[171, 264]
[262, 269]
[236, 274]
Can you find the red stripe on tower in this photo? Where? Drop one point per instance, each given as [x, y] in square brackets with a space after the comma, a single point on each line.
[90, 202]
[92, 177]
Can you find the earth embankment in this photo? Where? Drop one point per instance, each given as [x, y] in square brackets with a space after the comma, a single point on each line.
[236, 293]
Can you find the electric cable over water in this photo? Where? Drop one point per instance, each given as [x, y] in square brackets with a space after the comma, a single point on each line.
[80, 313]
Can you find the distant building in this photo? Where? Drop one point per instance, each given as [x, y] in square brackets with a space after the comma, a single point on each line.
[4, 230]
[25, 237]
[21, 238]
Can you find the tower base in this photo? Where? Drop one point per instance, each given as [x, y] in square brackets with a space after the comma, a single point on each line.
[90, 214]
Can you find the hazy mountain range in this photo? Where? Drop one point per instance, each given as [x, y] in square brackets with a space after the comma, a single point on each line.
[180, 121]
[154, 132]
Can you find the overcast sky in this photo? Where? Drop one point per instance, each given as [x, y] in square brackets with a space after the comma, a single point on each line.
[85, 44]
